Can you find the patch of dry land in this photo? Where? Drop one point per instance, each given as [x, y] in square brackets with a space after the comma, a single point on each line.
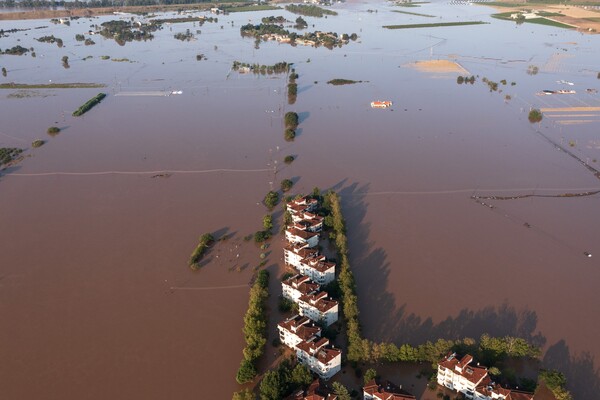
[438, 66]
[584, 18]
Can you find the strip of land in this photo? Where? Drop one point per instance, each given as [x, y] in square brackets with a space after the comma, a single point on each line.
[435, 25]
[13, 85]
[412, 13]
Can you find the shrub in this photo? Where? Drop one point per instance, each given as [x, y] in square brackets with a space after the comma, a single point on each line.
[286, 185]
[291, 120]
[535, 115]
[37, 143]
[53, 130]
[289, 159]
[271, 199]
[289, 134]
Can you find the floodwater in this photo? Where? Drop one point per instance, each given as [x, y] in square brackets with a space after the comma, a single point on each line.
[96, 297]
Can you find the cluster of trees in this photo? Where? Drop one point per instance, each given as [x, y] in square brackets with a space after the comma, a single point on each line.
[15, 51]
[286, 185]
[465, 79]
[255, 328]
[37, 143]
[301, 23]
[309, 10]
[491, 84]
[53, 130]
[125, 31]
[267, 232]
[263, 29]
[283, 381]
[339, 81]
[556, 382]
[292, 87]
[184, 36]
[9, 154]
[291, 121]
[89, 104]
[277, 68]
[535, 115]
[51, 39]
[273, 20]
[205, 240]
[271, 199]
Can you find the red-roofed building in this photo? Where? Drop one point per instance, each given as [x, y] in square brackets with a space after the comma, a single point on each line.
[297, 329]
[319, 308]
[314, 392]
[492, 391]
[298, 285]
[459, 375]
[386, 391]
[323, 361]
[295, 235]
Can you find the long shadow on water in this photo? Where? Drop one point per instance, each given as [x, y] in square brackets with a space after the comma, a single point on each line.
[389, 321]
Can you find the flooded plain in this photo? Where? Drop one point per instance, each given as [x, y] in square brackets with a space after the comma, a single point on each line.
[96, 297]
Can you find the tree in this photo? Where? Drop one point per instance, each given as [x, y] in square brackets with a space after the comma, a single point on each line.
[301, 375]
[286, 185]
[268, 222]
[289, 159]
[535, 115]
[370, 374]
[460, 80]
[244, 395]
[289, 134]
[341, 391]
[291, 120]
[246, 372]
[271, 199]
[271, 387]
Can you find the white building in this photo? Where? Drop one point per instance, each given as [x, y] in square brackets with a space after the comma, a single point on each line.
[294, 253]
[297, 329]
[458, 375]
[309, 262]
[492, 391]
[325, 362]
[296, 286]
[318, 308]
[295, 235]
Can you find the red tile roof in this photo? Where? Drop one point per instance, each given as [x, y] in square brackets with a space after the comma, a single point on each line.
[461, 367]
[386, 391]
[319, 301]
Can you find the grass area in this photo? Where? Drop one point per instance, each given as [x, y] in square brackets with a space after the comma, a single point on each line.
[411, 4]
[435, 25]
[13, 85]
[338, 82]
[89, 104]
[412, 13]
[592, 19]
[548, 22]
[259, 7]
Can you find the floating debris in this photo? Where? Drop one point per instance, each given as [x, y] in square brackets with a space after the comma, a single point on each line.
[381, 104]
[585, 253]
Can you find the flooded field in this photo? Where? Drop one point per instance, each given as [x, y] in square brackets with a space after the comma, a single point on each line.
[96, 297]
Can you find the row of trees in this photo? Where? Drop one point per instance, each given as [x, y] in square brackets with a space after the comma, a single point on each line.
[255, 328]
[292, 87]
[277, 68]
[267, 232]
[309, 10]
[9, 154]
[347, 285]
[291, 121]
[556, 382]
[88, 104]
[205, 241]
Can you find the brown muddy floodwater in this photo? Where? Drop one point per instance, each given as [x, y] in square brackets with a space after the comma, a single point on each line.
[96, 298]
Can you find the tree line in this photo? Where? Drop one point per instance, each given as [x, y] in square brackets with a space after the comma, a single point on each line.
[255, 328]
